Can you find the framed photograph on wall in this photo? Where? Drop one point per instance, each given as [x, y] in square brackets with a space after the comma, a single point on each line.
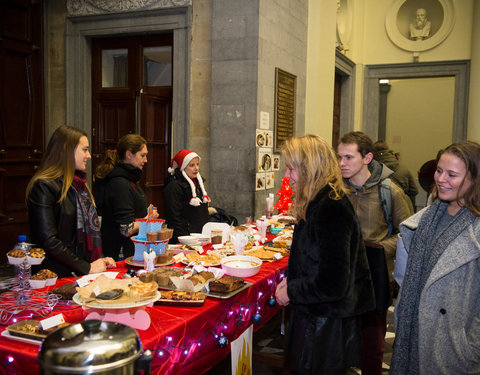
[269, 180]
[264, 162]
[260, 181]
[276, 162]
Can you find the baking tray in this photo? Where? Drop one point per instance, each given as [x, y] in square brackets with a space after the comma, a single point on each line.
[15, 330]
[218, 294]
[9, 336]
[180, 303]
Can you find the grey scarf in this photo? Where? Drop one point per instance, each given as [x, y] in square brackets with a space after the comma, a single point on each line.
[425, 250]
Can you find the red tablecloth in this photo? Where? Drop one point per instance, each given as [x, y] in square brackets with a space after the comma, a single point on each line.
[182, 339]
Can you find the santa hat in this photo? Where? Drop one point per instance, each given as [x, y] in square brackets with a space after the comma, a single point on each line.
[182, 159]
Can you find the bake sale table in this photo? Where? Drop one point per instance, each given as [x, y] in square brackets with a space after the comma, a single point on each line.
[183, 340]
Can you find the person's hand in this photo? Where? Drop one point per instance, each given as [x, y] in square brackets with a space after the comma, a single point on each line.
[281, 293]
[100, 265]
[153, 214]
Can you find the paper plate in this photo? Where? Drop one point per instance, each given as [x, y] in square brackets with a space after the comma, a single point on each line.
[97, 305]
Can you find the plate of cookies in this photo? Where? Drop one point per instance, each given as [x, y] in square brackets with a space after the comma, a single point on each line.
[208, 260]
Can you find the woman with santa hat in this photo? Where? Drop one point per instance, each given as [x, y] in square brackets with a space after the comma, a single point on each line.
[185, 198]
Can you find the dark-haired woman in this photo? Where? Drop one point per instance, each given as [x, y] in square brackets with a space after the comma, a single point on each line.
[61, 210]
[123, 200]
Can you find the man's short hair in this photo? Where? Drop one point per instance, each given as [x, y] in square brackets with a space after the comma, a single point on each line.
[364, 142]
[380, 146]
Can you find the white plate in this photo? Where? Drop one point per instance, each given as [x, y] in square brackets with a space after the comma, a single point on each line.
[224, 227]
[7, 335]
[76, 298]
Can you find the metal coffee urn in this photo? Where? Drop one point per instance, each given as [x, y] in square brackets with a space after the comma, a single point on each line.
[94, 347]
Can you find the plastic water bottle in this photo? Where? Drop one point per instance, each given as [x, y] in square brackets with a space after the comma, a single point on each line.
[23, 271]
[269, 206]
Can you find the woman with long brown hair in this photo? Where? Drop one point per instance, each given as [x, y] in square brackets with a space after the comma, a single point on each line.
[328, 285]
[61, 210]
[437, 314]
[123, 200]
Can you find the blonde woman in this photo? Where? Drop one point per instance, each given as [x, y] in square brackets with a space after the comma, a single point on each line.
[62, 214]
[328, 285]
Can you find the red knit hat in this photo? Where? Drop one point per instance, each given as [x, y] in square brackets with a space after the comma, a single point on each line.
[182, 159]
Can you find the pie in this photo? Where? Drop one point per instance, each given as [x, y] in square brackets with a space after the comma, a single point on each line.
[143, 290]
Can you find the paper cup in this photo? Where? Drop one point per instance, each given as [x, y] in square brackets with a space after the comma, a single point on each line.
[37, 284]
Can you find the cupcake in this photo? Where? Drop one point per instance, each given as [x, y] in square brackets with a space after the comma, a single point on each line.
[51, 277]
[38, 281]
[36, 256]
[164, 234]
[151, 236]
[16, 256]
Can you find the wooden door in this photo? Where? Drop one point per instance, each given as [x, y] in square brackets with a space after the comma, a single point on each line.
[132, 93]
[21, 112]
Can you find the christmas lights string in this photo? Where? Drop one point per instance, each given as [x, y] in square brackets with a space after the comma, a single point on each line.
[245, 313]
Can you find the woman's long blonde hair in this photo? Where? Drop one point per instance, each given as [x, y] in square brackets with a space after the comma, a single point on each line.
[59, 159]
[316, 165]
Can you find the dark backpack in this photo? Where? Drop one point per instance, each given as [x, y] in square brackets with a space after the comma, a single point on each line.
[385, 194]
[221, 216]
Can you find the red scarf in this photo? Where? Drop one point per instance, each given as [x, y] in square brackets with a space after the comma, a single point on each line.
[89, 240]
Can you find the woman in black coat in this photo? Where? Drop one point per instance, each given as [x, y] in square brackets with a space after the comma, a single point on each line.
[61, 211]
[123, 200]
[185, 198]
[328, 284]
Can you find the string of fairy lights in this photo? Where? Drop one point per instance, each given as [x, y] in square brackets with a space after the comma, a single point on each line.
[238, 312]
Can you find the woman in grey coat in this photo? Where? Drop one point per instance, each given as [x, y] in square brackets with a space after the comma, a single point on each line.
[438, 311]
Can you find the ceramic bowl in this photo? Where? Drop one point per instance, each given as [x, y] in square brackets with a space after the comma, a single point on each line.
[201, 238]
[275, 230]
[241, 265]
[189, 240]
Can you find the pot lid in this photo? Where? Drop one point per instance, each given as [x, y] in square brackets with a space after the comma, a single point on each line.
[91, 345]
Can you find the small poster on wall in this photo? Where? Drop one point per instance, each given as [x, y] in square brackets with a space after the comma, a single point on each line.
[269, 180]
[264, 120]
[264, 162]
[264, 138]
[260, 181]
[276, 162]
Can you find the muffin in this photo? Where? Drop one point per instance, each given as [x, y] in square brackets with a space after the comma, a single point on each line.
[151, 236]
[16, 256]
[164, 234]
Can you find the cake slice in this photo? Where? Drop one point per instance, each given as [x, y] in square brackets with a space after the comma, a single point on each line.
[226, 284]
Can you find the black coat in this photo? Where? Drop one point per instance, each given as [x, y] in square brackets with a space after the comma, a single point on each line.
[329, 286]
[328, 272]
[180, 216]
[53, 227]
[123, 202]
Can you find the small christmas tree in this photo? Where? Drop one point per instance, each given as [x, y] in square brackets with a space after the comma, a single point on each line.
[285, 193]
